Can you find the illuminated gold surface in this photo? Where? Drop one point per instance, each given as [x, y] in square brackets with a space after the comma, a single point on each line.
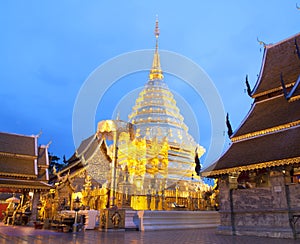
[156, 72]
[294, 98]
[163, 151]
[152, 155]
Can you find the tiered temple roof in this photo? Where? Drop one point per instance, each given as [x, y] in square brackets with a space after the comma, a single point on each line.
[270, 133]
[279, 59]
[91, 156]
[23, 164]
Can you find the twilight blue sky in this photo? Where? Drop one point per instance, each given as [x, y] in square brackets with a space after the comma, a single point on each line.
[49, 48]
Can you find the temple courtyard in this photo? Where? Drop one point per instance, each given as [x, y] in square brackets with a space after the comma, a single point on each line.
[27, 234]
[145, 174]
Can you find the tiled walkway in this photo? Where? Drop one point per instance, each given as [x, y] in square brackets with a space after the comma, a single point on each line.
[24, 234]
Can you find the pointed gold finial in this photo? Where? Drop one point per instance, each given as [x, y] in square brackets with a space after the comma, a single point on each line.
[156, 72]
[156, 31]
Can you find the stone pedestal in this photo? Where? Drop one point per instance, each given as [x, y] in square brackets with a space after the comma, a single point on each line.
[90, 218]
[112, 219]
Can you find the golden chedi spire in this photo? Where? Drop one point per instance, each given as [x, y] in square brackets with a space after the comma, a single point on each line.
[156, 72]
[168, 149]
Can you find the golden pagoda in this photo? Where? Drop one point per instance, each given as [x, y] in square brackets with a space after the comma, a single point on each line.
[162, 152]
[145, 163]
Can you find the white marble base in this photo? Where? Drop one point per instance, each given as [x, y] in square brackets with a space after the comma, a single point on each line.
[171, 220]
[131, 220]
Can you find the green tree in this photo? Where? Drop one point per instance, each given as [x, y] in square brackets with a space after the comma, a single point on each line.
[54, 161]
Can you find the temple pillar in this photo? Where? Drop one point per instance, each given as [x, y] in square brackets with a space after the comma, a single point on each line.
[149, 200]
[157, 200]
[34, 211]
[225, 210]
[113, 183]
[277, 182]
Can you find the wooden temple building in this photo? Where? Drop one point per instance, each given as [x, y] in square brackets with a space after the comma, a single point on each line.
[23, 174]
[259, 174]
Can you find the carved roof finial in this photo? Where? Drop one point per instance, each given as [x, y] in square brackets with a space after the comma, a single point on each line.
[229, 127]
[297, 50]
[248, 86]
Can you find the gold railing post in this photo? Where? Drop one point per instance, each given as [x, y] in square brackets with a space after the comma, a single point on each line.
[113, 187]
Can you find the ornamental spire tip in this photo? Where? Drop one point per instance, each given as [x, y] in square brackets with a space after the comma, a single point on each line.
[156, 31]
[156, 72]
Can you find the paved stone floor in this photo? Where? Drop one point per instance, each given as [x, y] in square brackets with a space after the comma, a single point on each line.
[25, 234]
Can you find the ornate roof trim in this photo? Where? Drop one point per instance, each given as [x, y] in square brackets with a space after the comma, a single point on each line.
[287, 43]
[272, 90]
[68, 167]
[90, 141]
[295, 98]
[281, 50]
[16, 155]
[31, 176]
[266, 131]
[41, 166]
[252, 167]
[78, 172]
[38, 187]
[277, 112]
[260, 72]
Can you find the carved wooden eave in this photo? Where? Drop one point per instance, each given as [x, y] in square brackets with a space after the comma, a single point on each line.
[269, 150]
[277, 89]
[43, 166]
[294, 98]
[68, 168]
[18, 175]
[263, 165]
[24, 184]
[266, 131]
[67, 181]
[19, 156]
[79, 173]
